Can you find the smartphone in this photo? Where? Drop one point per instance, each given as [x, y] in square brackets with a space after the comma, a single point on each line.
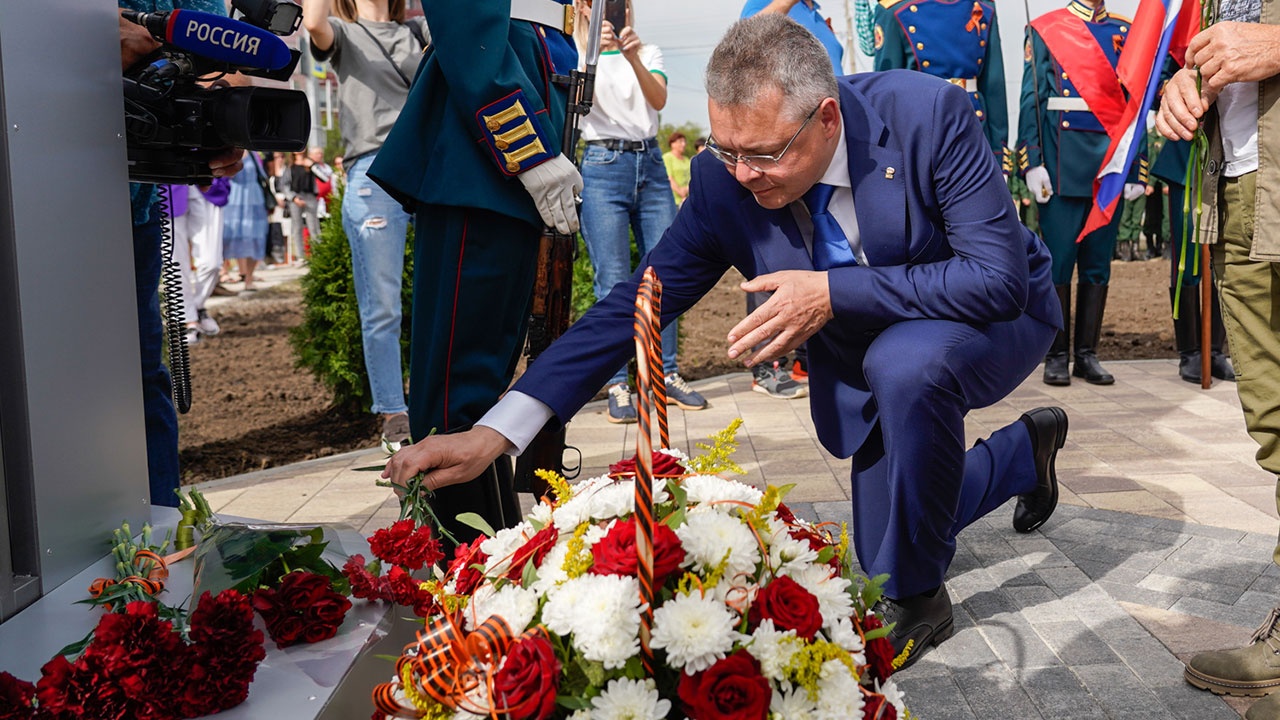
[615, 11]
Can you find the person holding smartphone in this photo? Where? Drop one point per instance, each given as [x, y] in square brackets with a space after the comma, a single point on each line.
[625, 185]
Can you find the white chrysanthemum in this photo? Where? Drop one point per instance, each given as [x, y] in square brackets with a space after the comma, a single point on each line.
[502, 546]
[787, 554]
[676, 453]
[839, 696]
[792, 704]
[625, 699]
[708, 535]
[829, 587]
[773, 649]
[601, 612]
[512, 603]
[696, 631]
[576, 510]
[613, 500]
[712, 489]
[540, 515]
[580, 715]
[844, 634]
[893, 694]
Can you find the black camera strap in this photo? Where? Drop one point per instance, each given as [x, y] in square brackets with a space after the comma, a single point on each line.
[395, 65]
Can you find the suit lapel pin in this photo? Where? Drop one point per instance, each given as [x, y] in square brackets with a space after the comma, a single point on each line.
[888, 173]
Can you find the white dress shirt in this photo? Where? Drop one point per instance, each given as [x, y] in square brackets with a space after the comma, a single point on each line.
[518, 417]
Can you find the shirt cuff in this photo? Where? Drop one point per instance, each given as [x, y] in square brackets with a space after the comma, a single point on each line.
[518, 418]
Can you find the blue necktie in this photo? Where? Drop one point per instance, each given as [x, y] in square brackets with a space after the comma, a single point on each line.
[830, 246]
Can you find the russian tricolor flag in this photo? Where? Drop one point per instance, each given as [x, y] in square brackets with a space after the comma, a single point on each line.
[1160, 27]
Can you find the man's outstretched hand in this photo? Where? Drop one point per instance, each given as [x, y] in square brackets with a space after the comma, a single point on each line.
[447, 459]
[799, 307]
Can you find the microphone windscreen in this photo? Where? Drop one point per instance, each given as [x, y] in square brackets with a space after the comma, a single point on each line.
[226, 40]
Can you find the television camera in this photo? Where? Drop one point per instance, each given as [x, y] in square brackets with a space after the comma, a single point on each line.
[175, 124]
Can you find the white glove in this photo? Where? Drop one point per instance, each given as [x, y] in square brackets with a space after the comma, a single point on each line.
[1133, 191]
[1039, 185]
[553, 186]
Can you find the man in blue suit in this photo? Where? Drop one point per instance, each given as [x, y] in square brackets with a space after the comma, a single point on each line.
[873, 209]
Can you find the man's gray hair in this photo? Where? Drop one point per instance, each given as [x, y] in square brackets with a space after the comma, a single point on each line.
[771, 51]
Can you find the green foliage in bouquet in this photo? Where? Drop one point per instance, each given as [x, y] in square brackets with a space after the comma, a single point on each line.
[247, 557]
[329, 340]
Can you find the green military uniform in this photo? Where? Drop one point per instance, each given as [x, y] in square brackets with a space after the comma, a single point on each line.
[1063, 94]
[956, 41]
[483, 108]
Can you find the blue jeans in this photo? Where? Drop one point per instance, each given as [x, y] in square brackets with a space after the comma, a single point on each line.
[159, 416]
[375, 225]
[624, 190]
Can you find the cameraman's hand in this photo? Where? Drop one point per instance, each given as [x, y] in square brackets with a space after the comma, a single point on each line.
[135, 43]
[228, 162]
[299, 202]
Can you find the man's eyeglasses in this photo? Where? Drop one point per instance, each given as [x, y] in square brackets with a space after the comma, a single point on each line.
[758, 163]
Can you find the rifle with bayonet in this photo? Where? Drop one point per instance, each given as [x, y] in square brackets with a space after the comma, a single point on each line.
[553, 284]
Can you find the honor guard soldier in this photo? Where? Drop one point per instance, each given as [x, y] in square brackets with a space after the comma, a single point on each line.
[476, 155]
[957, 41]
[1069, 89]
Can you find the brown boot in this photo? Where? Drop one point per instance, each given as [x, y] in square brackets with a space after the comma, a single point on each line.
[1252, 671]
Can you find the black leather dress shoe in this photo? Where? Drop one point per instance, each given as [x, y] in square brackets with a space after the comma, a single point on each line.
[921, 622]
[1048, 429]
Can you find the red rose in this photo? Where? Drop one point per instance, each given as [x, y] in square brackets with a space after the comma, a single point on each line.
[789, 606]
[732, 689]
[15, 698]
[537, 548]
[876, 707]
[664, 465]
[406, 545]
[301, 589]
[525, 686]
[615, 554]
[880, 652]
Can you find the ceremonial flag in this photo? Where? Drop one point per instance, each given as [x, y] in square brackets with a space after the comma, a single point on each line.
[1159, 27]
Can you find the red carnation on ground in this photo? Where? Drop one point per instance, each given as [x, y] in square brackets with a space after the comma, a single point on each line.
[664, 465]
[401, 588]
[536, 549]
[225, 654]
[15, 698]
[880, 652]
[731, 689]
[615, 554]
[405, 544]
[305, 608]
[364, 584]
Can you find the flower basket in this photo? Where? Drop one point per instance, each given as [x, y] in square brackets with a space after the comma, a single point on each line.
[634, 596]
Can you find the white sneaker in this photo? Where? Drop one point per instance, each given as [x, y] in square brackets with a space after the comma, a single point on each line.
[193, 336]
[208, 325]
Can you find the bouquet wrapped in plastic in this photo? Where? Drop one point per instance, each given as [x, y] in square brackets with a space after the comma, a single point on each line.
[644, 594]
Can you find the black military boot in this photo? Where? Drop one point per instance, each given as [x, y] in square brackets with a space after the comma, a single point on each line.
[1091, 300]
[1055, 362]
[1219, 366]
[1186, 331]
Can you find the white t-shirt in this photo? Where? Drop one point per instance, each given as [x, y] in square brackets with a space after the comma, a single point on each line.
[1238, 103]
[620, 111]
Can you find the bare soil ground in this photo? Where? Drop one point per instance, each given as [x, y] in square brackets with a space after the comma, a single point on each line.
[253, 409]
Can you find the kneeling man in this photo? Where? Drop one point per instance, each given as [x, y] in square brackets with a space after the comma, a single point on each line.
[873, 210]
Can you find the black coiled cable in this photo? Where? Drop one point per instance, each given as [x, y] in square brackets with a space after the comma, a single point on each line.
[175, 328]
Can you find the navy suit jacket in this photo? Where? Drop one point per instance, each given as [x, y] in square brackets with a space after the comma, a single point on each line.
[940, 233]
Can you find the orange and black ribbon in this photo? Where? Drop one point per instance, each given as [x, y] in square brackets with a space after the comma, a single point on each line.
[648, 360]
[455, 669]
[150, 574]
